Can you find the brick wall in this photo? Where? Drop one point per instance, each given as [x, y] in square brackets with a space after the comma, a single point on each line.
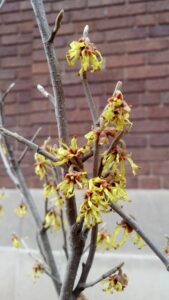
[133, 36]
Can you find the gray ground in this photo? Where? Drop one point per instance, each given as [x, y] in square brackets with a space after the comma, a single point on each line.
[147, 275]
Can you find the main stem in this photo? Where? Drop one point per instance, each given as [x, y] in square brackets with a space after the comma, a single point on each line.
[71, 211]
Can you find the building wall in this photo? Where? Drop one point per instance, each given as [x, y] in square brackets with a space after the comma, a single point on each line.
[133, 37]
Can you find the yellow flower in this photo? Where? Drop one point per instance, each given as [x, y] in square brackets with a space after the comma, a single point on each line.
[123, 226]
[104, 239]
[52, 219]
[133, 165]
[138, 241]
[115, 161]
[117, 112]
[85, 51]
[65, 153]
[68, 185]
[15, 241]
[42, 165]
[21, 210]
[89, 211]
[1, 211]
[115, 282]
[37, 270]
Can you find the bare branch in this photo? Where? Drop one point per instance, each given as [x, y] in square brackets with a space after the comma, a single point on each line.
[56, 26]
[104, 276]
[65, 246]
[87, 265]
[3, 96]
[143, 235]
[89, 98]
[27, 142]
[7, 167]
[45, 93]
[54, 71]
[117, 88]
[27, 148]
[20, 183]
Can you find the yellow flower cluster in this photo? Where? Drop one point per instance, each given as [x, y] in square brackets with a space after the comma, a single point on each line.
[21, 210]
[85, 51]
[104, 240]
[66, 153]
[96, 200]
[37, 270]
[67, 186]
[114, 161]
[51, 188]
[1, 211]
[42, 165]
[15, 241]
[115, 282]
[52, 220]
[126, 230]
[117, 112]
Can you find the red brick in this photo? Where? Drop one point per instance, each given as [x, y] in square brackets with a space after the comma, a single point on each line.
[67, 5]
[159, 30]
[157, 6]
[14, 18]
[131, 86]
[40, 68]
[147, 45]
[145, 20]
[149, 182]
[150, 98]
[136, 140]
[139, 113]
[158, 58]
[150, 154]
[159, 140]
[166, 182]
[125, 60]
[151, 126]
[146, 72]
[157, 84]
[163, 18]
[17, 38]
[93, 3]
[158, 112]
[15, 62]
[161, 168]
[8, 51]
[10, 7]
[7, 74]
[132, 182]
[126, 34]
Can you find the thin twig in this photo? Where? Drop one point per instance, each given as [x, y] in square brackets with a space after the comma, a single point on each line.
[3, 96]
[56, 27]
[21, 185]
[27, 148]
[115, 142]
[65, 246]
[143, 235]
[87, 265]
[112, 145]
[27, 142]
[45, 93]
[96, 157]
[104, 276]
[117, 88]
[7, 167]
[89, 98]
[2, 3]
[87, 156]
